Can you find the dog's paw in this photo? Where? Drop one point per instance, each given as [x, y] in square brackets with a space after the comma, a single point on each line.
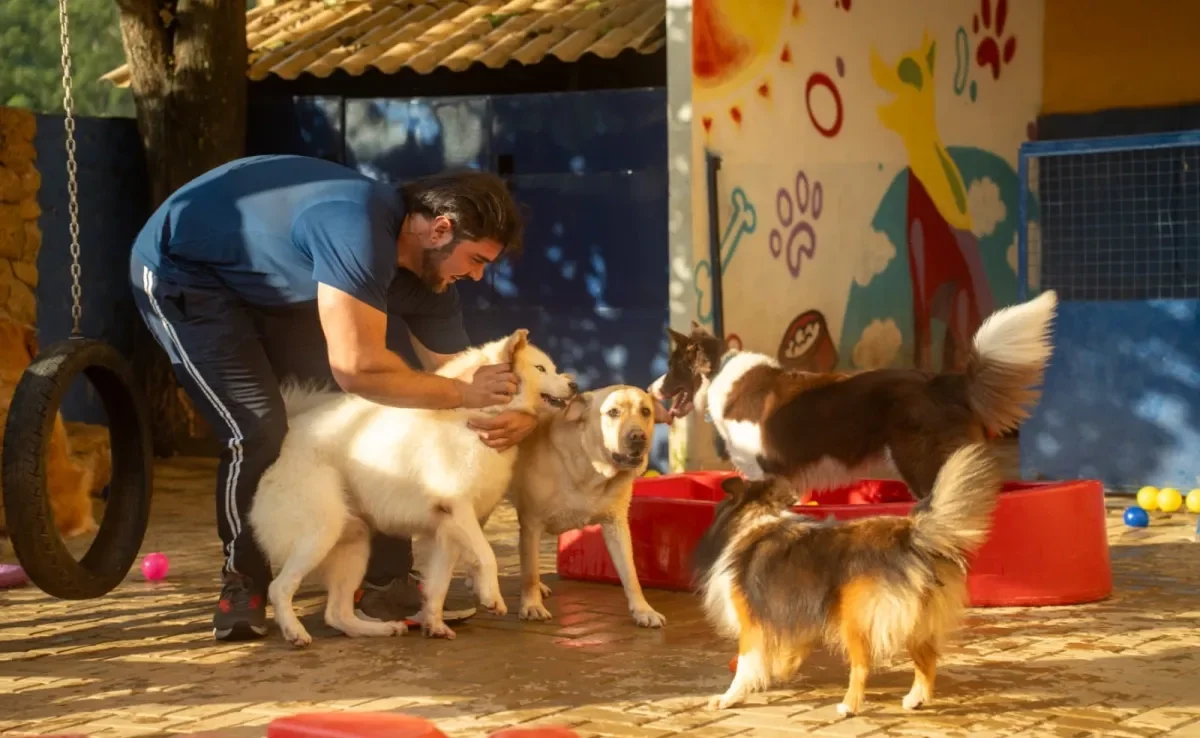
[399, 627]
[647, 617]
[495, 606]
[438, 630]
[914, 700]
[723, 701]
[846, 709]
[298, 637]
[545, 590]
[534, 611]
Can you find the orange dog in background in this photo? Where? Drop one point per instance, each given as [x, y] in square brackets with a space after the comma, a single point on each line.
[69, 483]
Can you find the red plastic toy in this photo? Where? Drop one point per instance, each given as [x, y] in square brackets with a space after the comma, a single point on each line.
[386, 725]
[1048, 546]
[352, 725]
[541, 731]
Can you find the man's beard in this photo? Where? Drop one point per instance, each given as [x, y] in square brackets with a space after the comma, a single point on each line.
[431, 262]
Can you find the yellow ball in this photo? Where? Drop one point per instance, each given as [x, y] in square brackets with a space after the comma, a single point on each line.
[1193, 501]
[1147, 498]
[651, 473]
[1169, 500]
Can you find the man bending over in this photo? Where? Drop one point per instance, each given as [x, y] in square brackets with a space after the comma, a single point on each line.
[271, 266]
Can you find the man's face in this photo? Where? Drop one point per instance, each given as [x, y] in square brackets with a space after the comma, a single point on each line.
[442, 267]
[454, 259]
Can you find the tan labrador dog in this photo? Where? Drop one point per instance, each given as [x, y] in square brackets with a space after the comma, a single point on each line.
[577, 469]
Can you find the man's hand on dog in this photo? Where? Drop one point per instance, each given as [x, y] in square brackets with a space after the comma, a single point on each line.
[504, 430]
[494, 384]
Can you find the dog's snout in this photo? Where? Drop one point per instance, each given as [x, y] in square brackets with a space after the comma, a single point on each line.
[637, 439]
[574, 387]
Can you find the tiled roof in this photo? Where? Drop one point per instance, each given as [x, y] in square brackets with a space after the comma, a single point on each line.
[294, 37]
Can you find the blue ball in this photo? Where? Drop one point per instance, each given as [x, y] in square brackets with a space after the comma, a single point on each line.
[1136, 517]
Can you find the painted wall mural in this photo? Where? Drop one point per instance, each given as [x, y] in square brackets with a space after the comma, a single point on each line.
[867, 194]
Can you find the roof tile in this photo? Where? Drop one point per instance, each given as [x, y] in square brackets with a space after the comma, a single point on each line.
[318, 37]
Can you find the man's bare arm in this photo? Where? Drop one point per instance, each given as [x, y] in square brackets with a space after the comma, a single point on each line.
[431, 360]
[356, 335]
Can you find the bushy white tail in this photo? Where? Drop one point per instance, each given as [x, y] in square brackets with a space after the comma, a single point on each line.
[1008, 360]
[964, 496]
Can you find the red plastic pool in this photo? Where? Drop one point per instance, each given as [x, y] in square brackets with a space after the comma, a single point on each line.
[1048, 545]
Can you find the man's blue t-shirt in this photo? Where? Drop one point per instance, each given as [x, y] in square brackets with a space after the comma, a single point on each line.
[269, 228]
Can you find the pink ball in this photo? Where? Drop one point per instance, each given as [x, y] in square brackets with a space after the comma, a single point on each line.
[155, 566]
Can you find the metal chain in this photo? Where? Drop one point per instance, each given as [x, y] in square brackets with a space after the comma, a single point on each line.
[72, 187]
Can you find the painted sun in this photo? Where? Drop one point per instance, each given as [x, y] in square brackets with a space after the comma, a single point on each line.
[732, 43]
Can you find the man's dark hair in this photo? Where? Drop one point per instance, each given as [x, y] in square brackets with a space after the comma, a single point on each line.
[478, 203]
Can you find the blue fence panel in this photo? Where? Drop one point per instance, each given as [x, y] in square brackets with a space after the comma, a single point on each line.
[601, 289]
[308, 126]
[396, 140]
[582, 132]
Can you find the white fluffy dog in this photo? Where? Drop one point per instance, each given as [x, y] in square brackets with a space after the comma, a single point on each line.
[349, 466]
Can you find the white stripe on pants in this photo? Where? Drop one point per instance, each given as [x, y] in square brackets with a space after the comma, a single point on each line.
[232, 518]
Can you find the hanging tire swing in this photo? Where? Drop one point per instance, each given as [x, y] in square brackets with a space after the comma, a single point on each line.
[32, 412]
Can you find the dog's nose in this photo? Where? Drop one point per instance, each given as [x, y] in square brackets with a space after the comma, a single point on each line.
[574, 387]
[637, 440]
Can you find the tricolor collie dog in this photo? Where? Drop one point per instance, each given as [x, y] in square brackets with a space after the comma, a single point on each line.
[577, 469]
[783, 584]
[823, 430]
[349, 467]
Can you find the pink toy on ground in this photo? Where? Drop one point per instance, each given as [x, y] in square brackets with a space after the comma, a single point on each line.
[12, 576]
[155, 566]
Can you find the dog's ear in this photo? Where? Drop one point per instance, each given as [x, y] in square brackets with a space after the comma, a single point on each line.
[518, 340]
[698, 358]
[576, 408]
[734, 487]
[775, 492]
[676, 337]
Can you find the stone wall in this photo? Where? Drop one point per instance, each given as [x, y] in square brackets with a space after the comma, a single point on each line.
[20, 237]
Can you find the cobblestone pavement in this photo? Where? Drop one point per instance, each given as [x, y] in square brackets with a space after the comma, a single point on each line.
[141, 661]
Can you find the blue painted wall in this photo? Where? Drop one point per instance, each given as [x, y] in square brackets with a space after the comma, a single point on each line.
[588, 169]
[113, 204]
[1122, 396]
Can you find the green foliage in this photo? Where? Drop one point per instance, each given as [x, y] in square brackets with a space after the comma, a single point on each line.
[31, 73]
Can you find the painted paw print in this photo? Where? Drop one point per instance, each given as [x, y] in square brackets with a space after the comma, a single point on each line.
[797, 210]
[988, 53]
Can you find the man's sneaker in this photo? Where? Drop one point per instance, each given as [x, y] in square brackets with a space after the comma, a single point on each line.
[402, 599]
[241, 614]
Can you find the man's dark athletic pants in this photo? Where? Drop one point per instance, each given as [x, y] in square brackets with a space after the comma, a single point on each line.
[230, 357]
